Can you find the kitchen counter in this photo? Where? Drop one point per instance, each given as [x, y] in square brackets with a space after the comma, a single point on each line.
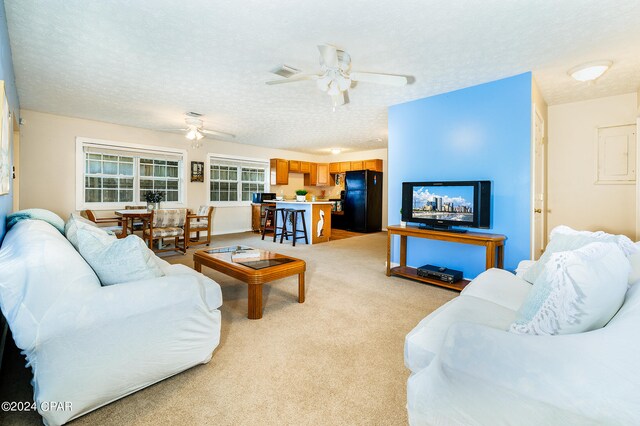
[317, 217]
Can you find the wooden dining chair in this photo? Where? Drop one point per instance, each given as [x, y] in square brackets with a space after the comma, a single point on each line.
[166, 223]
[118, 230]
[198, 222]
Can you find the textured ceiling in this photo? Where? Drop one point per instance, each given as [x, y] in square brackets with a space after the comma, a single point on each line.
[145, 63]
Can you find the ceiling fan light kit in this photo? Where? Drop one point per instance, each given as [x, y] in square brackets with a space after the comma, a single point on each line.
[590, 71]
[335, 78]
[195, 130]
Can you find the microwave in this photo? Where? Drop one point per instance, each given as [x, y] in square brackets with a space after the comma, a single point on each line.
[259, 197]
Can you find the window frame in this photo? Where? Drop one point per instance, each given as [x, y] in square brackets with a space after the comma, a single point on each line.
[137, 151]
[251, 162]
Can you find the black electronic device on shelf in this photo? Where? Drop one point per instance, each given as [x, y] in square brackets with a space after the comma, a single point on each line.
[439, 273]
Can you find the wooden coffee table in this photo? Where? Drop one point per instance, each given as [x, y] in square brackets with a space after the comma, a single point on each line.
[221, 261]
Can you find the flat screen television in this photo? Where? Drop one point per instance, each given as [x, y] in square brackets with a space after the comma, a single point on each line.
[447, 204]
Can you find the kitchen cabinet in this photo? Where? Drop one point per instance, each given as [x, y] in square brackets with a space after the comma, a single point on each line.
[311, 178]
[318, 175]
[305, 167]
[294, 166]
[375, 165]
[345, 166]
[279, 171]
[356, 165]
[323, 174]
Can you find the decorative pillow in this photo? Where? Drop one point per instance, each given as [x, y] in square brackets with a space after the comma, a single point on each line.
[578, 291]
[634, 275]
[76, 222]
[117, 261]
[563, 238]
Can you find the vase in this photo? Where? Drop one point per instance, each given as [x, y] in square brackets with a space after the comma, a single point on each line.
[153, 206]
[301, 198]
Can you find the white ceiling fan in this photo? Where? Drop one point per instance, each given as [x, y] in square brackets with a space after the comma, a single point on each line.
[335, 77]
[195, 130]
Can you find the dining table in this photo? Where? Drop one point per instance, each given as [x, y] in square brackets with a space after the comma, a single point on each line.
[131, 215]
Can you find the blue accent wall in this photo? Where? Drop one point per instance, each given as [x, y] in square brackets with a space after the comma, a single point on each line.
[478, 133]
[6, 74]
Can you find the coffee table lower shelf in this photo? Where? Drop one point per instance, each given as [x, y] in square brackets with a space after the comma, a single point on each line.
[412, 273]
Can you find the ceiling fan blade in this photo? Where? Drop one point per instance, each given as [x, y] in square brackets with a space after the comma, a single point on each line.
[329, 55]
[217, 133]
[173, 130]
[370, 77]
[300, 77]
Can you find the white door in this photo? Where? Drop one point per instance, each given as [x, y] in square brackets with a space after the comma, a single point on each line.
[539, 202]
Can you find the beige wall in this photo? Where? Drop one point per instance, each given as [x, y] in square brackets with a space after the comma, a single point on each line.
[574, 198]
[48, 158]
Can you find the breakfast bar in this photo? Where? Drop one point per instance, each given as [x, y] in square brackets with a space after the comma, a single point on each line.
[317, 216]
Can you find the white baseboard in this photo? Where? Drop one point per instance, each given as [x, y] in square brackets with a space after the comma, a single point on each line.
[232, 231]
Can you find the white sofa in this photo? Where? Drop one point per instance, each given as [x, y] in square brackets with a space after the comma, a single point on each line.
[467, 369]
[89, 345]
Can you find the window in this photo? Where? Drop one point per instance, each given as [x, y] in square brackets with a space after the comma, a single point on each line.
[235, 180]
[112, 175]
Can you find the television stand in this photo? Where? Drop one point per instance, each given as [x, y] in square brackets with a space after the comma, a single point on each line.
[493, 243]
[442, 228]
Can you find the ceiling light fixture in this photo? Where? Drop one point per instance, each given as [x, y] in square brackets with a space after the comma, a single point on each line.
[589, 71]
[335, 151]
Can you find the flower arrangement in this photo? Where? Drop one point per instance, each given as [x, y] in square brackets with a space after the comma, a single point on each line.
[301, 192]
[154, 196]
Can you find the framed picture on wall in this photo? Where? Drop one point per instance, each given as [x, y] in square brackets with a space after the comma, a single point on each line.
[5, 134]
[197, 171]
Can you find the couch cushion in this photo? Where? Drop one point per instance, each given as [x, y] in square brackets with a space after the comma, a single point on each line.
[423, 343]
[578, 291]
[117, 261]
[38, 269]
[564, 238]
[500, 287]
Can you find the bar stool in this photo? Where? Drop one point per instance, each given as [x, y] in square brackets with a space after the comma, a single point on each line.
[271, 220]
[293, 213]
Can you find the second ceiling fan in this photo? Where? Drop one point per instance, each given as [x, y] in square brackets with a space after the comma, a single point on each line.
[335, 77]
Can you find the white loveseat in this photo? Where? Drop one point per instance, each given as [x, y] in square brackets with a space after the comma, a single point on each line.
[467, 369]
[89, 345]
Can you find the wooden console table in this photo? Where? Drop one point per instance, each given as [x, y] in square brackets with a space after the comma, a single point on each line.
[494, 246]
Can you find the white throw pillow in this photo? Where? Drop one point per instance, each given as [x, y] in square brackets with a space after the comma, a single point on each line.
[74, 223]
[563, 238]
[634, 275]
[578, 291]
[117, 261]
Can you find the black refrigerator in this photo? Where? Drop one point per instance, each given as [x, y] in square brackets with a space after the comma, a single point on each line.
[363, 201]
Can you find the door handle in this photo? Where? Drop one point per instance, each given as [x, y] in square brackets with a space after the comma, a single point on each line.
[537, 210]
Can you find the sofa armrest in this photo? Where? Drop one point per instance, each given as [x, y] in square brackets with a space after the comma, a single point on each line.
[582, 374]
[165, 296]
[118, 339]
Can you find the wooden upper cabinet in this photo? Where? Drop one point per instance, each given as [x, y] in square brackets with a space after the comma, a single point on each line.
[294, 166]
[323, 174]
[375, 165]
[345, 166]
[311, 178]
[334, 167]
[279, 171]
[356, 165]
[305, 167]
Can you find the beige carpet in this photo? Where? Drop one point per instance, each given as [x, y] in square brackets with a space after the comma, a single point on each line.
[336, 359]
